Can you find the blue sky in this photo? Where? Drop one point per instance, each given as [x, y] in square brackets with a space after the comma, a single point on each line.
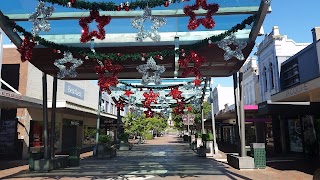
[294, 18]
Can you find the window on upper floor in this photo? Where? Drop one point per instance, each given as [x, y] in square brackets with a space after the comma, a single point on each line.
[107, 106]
[265, 79]
[271, 76]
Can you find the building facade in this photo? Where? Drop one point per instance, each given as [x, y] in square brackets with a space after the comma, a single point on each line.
[300, 82]
[274, 49]
[250, 78]
[222, 96]
[76, 113]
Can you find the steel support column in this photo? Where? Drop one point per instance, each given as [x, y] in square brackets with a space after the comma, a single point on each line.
[242, 117]
[53, 116]
[45, 115]
[215, 145]
[235, 89]
[98, 122]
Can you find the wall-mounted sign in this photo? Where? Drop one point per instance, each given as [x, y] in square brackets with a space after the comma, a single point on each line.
[297, 90]
[73, 91]
[10, 94]
[70, 122]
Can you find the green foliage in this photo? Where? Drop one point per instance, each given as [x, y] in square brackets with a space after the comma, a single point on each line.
[140, 125]
[89, 132]
[148, 136]
[105, 138]
[124, 137]
[209, 137]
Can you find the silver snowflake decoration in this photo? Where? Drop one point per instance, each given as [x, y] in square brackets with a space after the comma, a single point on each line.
[165, 112]
[68, 58]
[163, 102]
[196, 104]
[142, 34]
[132, 100]
[116, 92]
[151, 65]
[40, 18]
[229, 53]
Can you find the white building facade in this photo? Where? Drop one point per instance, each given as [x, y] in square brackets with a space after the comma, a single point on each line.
[222, 96]
[250, 79]
[271, 52]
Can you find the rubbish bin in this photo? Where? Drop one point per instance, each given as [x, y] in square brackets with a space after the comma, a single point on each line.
[74, 157]
[34, 156]
[259, 155]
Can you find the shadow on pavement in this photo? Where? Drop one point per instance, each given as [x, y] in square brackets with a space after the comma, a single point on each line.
[11, 164]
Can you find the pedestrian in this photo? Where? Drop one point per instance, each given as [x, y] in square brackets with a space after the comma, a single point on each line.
[316, 175]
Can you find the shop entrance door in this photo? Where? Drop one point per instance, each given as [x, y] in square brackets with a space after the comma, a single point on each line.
[69, 137]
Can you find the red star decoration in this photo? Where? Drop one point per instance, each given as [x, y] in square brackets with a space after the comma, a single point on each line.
[26, 49]
[179, 109]
[150, 97]
[119, 104]
[175, 93]
[189, 108]
[149, 113]
[106, 82]
[128, 93]
[197, 82]
[196, 59]
[208, 21]
[101, 20]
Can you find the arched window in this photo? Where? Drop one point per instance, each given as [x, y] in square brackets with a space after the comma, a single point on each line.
[271, 76]
[265, 79]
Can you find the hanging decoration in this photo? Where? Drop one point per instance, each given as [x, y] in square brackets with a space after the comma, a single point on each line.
[197, 82]
[229, 53]
[150, 97]
[128, 92]
[133, 56]
[101, 20]
[110, 6]
[151, 65]
[119, 104]
[40, 18]
[196, 59]
[149, 113]
[179, 108]
[196, 103]
[104, 81]
[208, 21]
[175, 93]
[67, 58]
[189, 108]
[157, 22]
[26, 49]
[116, 92]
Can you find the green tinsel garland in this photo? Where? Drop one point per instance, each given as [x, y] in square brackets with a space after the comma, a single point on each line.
[109, 6]
[135, 56]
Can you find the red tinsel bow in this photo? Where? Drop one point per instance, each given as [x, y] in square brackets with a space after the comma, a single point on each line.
[175, 93]
[196, 59]
[101, 20]
[106, 82]
[26, 49]
[150, 97]
[208, 21]
[149, 113]
[119, 104]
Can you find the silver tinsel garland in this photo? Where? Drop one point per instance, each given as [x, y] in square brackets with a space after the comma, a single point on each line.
[68, 58]
[142, 34]
[151, 65]
[229, 53]
[40, 18]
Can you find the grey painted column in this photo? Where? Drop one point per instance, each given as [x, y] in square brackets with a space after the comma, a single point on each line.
[242, 117]
[215, 145]
[98, 122]
[282, 135]
[118, 124]
[45, 115]
[53, 116]
[236, 100]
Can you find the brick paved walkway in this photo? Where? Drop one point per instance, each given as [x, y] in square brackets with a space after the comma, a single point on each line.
[162, 158]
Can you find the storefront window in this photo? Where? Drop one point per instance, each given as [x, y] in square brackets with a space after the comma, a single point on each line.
[295, 135]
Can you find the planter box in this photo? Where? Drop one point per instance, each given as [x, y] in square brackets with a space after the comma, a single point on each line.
[124, 146]
[199, 142]
[104, 151]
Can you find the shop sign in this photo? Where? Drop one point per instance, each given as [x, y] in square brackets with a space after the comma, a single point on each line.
[69, 122]
[297, 90]
[73, 91]
[10, 94]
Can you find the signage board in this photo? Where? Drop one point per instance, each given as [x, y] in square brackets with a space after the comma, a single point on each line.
[73, 91]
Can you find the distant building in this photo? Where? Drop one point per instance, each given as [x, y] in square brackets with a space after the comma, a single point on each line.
[222, 96]
[250, 81]
[272, 51]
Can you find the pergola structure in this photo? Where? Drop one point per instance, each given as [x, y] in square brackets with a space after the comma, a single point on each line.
[239, 18]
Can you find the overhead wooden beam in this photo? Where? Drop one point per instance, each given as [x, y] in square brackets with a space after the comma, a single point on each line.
[5, 26]
[131, 14]
[263, 10]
